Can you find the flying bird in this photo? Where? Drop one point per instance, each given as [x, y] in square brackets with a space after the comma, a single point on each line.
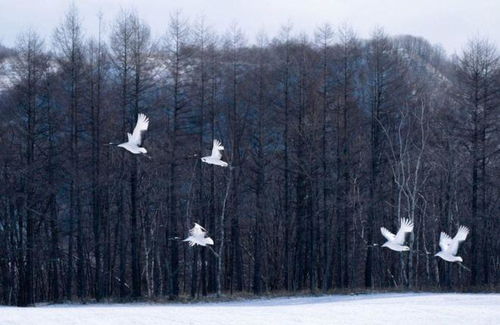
[198, 236]
[135, 139]
[215, 158]
[395, 242]
[449, 246]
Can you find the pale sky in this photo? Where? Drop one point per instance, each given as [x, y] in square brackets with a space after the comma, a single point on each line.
[449, 23]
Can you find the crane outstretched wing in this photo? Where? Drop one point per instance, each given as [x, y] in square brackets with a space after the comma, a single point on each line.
[387, 234]
[444, 241]
[190, 240]
[197, 230]
[459, 237]
[406, 226]
[216, 149]
[140, 127]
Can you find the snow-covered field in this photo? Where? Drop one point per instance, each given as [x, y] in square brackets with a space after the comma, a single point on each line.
[421, 308]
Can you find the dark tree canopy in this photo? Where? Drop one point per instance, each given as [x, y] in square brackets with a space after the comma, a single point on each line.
[329, 138]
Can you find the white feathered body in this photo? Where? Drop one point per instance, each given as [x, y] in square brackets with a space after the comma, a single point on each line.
[197, 240]
[214, 161]
[396, 247]
[449, 258]
[449, 246]
[216, 157]
[132, 148]
[198, 236]
[133, 144]
[396, 242]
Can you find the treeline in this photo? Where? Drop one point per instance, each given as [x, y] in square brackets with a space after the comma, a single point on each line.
[329, 138]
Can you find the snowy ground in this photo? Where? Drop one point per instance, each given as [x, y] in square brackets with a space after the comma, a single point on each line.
[421, 308]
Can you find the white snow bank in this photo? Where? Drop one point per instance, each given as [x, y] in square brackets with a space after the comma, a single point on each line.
[409, 308]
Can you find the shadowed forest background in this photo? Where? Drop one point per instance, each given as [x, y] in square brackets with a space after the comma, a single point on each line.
[330, 136]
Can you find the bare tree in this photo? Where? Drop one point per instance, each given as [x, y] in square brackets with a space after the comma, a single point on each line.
[176, 55]
[69, 41]
[477, 91]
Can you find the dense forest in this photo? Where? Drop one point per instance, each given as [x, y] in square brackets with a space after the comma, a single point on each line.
[329, 137]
